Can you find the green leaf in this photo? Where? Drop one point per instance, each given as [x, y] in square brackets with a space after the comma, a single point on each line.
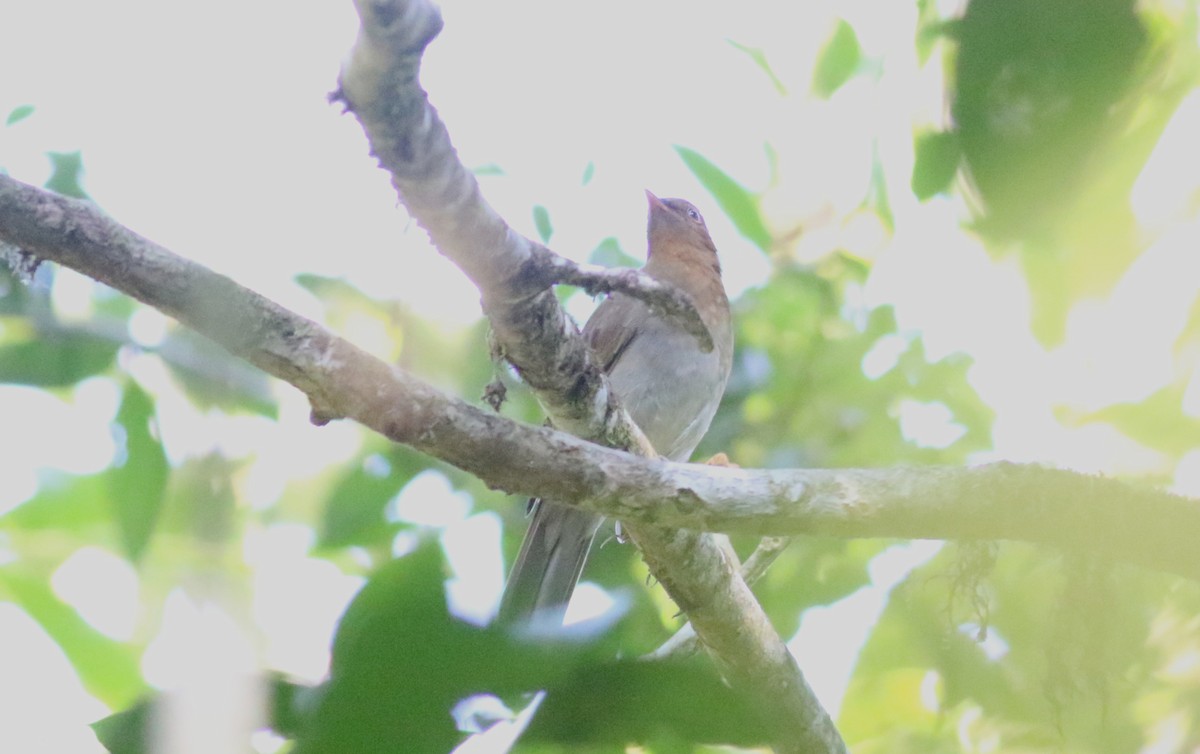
[1058, 107]
[930, 28]
[127, 731]
[1044, 99]
[401, 662]
[14, 293]
[56, 359]
[626, 702]
[212, 377]
[798, 331]
[820, 573]
[139, 483]
[541, 219]
[65, 504]
[877, 196]
[19, 114]
[107, 302]
[760, 59]
[937, 156]
[353, 514]
[107, 668]
[588, 172]
[67, 171]
[397, 665]
[734, 199]
[838, 61]
[1064, 658]
[203, 506]
[609, 254]
[342, 297]
[1158, 422]
[334, 290]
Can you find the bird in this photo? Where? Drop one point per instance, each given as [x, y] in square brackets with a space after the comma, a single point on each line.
[670, 386]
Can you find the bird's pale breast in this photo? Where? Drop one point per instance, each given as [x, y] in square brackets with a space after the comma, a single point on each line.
[669, 387]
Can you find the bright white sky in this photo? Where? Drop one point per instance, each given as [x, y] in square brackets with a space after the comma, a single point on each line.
[204, 126]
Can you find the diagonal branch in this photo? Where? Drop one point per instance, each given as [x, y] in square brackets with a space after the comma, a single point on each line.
[514, 274]
[684, 642]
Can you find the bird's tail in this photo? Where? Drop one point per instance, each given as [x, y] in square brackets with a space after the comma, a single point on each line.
[547, 568]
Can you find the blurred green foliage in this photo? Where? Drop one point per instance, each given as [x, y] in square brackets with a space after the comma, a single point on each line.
[1037, 84]
[18, 114]
[541, 220]
[55, 359]
[734, 199]
[1054, 108]
[936, 163]
[838, 61]
[139, 476]
[67, 175]
[401, 662]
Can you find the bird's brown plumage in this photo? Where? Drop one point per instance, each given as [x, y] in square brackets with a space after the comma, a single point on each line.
[669, 386]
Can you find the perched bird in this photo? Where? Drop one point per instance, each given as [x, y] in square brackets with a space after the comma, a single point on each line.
[667, 383]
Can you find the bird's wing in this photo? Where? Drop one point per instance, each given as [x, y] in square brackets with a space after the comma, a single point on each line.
[612, 329]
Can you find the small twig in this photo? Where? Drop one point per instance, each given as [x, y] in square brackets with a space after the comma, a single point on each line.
[663, 299]
[684, 642]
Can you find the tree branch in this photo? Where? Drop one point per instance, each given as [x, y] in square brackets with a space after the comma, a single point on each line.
[513, 274]
[1063, 509]
[684, 642]
[664, 300]
[379, 85]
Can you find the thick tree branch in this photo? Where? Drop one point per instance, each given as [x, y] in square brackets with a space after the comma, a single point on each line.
[684, 642]
[379, 85]
[514, 275]
[664, 300]
[1063, 509]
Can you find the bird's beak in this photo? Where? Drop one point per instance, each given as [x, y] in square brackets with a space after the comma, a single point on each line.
[655, 202]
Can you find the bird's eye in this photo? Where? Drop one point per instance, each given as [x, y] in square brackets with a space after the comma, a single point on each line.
[694, 214]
